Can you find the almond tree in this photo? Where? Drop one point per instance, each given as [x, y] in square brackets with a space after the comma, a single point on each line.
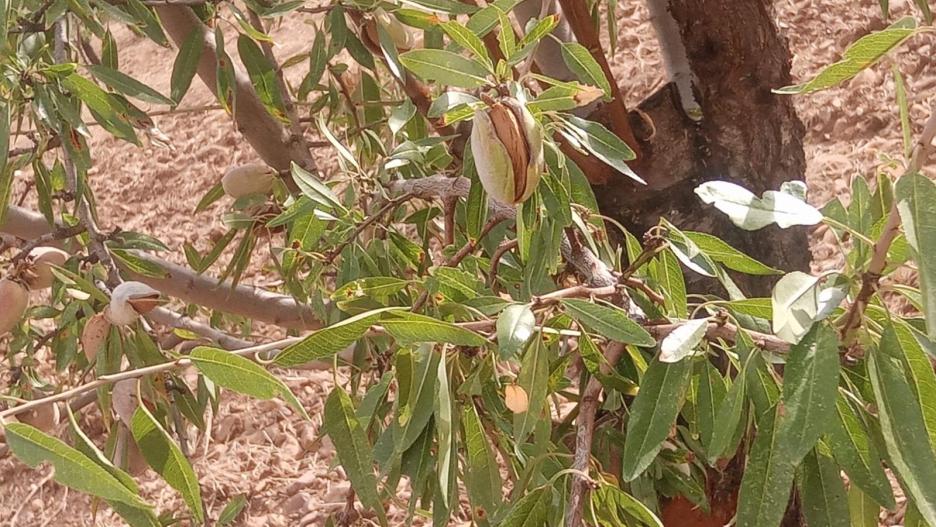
[494, 269]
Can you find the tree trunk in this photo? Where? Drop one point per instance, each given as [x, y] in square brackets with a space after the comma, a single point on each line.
[747, 134]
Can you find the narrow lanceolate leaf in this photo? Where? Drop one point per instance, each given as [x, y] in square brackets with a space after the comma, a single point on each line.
[728, 256]
[353, 449]
[534, 381]
[916, 201]
[604, 144]
[565, 97]
[531, 511]
[609, 322]
[653, 413]
[682, 342]
[242, 375]
[822, 492]
[904, 432]
[410, 328]
[72, 468]
[857, 454]
[446, 68]
[768, 476]
[466, 39]
[751, 213]
[863, 53]
[262, 75]
[165, 457]
[442, 417]
[728, 418]
[6, 176]
[711, 393]
[901, 341]
[327, 342]
[862, 510]
[810, 383]
[482, 475]
[133, 263]
[101, 105]
[583, 65]
[515, 326]
[186, 64]
[127, 85]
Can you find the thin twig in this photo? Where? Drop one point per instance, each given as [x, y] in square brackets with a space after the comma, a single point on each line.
[393, 203]
[584, 431]
[60, 233]
[502, 249]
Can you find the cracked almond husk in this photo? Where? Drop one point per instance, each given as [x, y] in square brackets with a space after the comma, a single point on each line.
[507, 145]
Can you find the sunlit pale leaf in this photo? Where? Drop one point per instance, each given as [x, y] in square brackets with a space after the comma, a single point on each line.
[749, 212]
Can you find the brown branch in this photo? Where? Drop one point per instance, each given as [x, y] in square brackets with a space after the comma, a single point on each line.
[262, 131]
[186, 285]
[871, 278]
[584, 432]
[60, 233]
[576, 13]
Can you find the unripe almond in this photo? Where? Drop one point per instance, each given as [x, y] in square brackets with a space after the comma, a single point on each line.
[43, 258]
[401, 35]
[507, 145]
[129, 300]
[94, 335]
[244, 180]
[14, 299]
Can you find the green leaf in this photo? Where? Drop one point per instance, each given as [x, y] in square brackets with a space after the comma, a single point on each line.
[515, 326]
[242, 375]
[133, 263]
[857, 454]
[408, 328]
[564, 97]
[72, 468]
[442, 418]
[232, 510]
[466, 39]
[445, 67]
[531, 510]
[682, 341]
[313, 188]
[751, 213]
[862, 510]
[768, 476]
[584, 66]
[186, 64]
[711, 394]
[451, 7]
[795, 305]
[167, 459]
[379, 288]
[667, 272]
[822, 492]
[6, 173]
[609, 322]
[903, 106]
[902, 427]
[330, 340]
[727, 420]
[353, 449]
[128, 86]
[863, 53]
[810, 382]
[534, 379]
[603, 143]
[614, 500]
[900, 340]
[318, 60]
[916, 201]
[262, 75]
[100, 104]
[728, 256]
[653, 413]
[482, 476]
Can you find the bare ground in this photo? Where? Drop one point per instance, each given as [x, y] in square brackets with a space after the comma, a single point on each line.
[264, 450]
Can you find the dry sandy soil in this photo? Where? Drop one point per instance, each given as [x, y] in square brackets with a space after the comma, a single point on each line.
[265, 451]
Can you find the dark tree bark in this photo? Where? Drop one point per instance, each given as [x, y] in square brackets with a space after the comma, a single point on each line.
[747, 135]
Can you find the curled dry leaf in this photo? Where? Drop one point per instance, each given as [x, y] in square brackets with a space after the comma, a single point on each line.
[43, 259]
[516, 399]
[94, 335]
[507, 145]
[244, 180]
[401, 36]
[124, 400]
[129, 300]
[14, 299]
